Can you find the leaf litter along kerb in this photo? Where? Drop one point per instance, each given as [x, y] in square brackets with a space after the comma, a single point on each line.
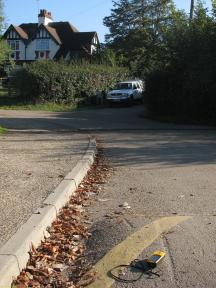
[59, 261]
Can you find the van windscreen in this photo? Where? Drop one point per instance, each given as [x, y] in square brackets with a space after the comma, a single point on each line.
[122, 86]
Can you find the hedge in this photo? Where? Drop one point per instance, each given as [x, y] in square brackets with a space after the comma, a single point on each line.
[62, 83]
[182, 94]
[184, 87]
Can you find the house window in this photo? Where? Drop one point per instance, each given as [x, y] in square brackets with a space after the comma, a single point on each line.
[42, 44]
[14, 44]
[15, 47]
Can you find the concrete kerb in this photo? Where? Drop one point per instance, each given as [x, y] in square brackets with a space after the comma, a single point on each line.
[15, 253]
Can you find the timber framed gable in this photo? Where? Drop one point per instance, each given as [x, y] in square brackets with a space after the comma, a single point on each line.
[48, 39]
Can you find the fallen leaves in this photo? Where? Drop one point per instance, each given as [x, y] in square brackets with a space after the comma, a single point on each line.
[58, 261]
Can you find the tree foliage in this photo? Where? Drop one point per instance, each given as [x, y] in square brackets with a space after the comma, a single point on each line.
[186, 86]
[137, 31]
[172, 50]
[4, 49]
[2, 18]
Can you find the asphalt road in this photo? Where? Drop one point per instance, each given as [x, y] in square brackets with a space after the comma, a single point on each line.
[160, 170]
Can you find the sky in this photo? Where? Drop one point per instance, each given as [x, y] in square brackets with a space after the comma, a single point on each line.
[85, 15]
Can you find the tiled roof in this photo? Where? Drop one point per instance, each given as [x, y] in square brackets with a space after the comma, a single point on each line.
[29, 28]
[54, 33]
[32, 28]
[65, 34]
[64, 30]
[85, 38]
[72, 39]
[21, 32]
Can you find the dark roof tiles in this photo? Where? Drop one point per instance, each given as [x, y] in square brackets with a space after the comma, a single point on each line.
[54, 34]
[65, 34]
[21, 32]
[29, 28]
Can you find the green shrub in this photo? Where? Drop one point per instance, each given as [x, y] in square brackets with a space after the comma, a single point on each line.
[2, 130]
[186, 94]
[62, 83]
[159, 97]
[185, 87]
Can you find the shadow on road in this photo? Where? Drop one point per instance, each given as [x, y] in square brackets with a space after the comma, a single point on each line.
[129, 139]
[162, 148]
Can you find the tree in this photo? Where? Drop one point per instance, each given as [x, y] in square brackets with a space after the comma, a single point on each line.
[1, 17]
[213, 8]
[137, 31]
[191, 9]
[186, 86]
[4, 49]
[105, 56]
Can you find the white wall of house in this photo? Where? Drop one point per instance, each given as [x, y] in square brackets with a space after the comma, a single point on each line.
[93, 48]
[53, 48]
[22, 50]
[94, 45]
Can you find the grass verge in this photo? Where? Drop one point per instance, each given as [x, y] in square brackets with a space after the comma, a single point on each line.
[2, 130]
[3, 91]
[13, 103]
[39, 107]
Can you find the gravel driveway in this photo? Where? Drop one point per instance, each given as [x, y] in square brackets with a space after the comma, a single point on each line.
[31, 166]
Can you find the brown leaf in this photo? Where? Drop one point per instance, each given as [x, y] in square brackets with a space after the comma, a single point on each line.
[119, 220]
[20, 286]
[65, 244]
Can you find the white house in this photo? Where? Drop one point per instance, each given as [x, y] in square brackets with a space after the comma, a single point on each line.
[49, 40]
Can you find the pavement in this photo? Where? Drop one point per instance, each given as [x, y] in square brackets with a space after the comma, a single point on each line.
[162, 171]
[31, 167]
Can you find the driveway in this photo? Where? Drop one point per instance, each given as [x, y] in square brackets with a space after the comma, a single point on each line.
[160, 170]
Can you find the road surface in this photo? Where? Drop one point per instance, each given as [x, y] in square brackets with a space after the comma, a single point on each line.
[162, 171]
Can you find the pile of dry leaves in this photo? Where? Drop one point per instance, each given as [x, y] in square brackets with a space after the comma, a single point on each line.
[58, 261]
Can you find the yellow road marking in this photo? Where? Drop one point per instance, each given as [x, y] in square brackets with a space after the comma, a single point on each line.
[131, 247]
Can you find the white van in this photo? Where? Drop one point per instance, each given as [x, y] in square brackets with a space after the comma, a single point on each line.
[126, 91]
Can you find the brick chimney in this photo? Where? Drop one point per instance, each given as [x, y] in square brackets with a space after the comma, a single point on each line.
[44, 17]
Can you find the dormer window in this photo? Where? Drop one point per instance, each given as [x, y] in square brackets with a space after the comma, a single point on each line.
[42, 44]
[42, 49]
